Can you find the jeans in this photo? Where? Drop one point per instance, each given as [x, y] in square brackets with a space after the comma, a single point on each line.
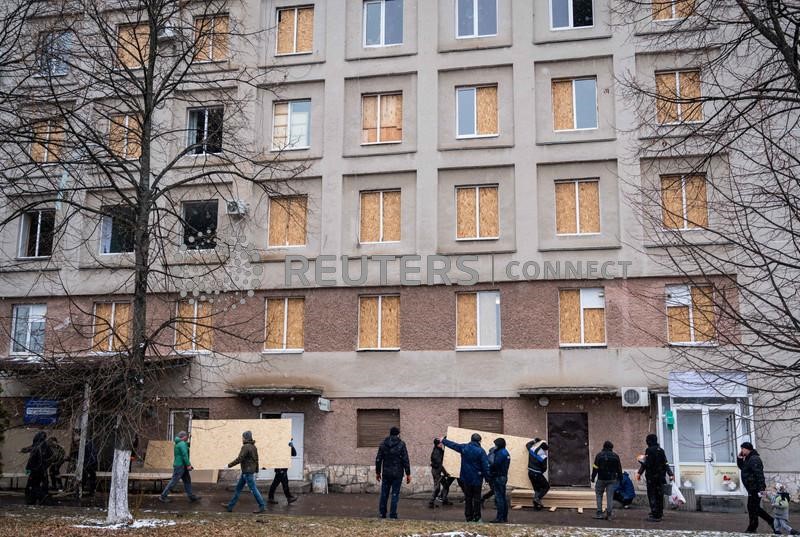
[540, 486]
[607, 486]
[441, 484]
[655, 496]
[472, 502]
[179, 473]
[281, 478]
[780, 524]
[500, 499]
[250, 480]
[754, 510]
[390, 484]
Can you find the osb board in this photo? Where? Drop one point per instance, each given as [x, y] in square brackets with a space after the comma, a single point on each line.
[518, 471]
[13, 461]
[215, 443]
[557, 498]
[160, 455]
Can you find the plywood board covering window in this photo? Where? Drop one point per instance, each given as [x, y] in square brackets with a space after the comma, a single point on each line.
[478, 320]
[193, 326]
[48, 140]
[380, 216]
[476, 419]
[295, 30]
[476, 111]
[477, 212]
[382, 118]
[577, 207]
[582, 319]
[284, 325]
[379, 322]
[133, 45]
[678, 97]
[574, 104]
[125, 136]
[684, 203]
[673, 9]
[112, 325]
[372, 425]
[288, 216]
[291, 124]
[211, 37]
[690, 314]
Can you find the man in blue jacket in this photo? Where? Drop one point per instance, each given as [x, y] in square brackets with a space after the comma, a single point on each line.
[498, 468]
[474, 469]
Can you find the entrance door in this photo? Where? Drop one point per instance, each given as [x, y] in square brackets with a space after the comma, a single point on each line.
[568, 438]
[298, 422]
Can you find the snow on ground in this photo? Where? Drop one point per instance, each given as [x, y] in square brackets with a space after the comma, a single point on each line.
[137, 524]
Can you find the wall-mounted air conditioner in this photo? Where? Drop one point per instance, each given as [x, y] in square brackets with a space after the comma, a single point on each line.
[635, 397]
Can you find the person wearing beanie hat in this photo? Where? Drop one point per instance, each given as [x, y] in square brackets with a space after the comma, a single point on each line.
[391, 463]
[248, 461]
[656, 468]
[181, 467]
[538, 451]
[499, 462]
[752, 469]
[474, 470]
[606, 474]
[441, 479]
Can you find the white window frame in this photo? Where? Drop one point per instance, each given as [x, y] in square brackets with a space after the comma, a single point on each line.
[284, 349]
[191, 132]
[126, 126]
[676, 298]
[106, 230]
[290, 103]
[51, 125]
[673, 13]
[44, 71]
[684, 207]
[112, 324]
[577, 182]
[383, 26]
[475, 134]
[171, 425]
[36, 313]
[23, 236]
[380, 210]
[571, 12]
[296, 10]
[378, 119]
[575, 107]
[476, 23]
[380, 322]
[213, 34]
[476, 189]
[479, 347]
[601, 295]
[193, 339]
[678, 104]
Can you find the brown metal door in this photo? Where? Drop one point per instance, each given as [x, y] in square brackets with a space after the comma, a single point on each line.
[568, 437]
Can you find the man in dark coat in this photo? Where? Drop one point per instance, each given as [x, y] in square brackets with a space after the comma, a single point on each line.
[607, 471]
[282, 478]
[441, 479]
[36, 468]
[498, 468]
[749, 462]
[474, 469]
[248, 461]
[656, 469]
[391, 463]
[537, 466]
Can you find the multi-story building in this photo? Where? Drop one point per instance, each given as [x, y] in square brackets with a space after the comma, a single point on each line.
[490, 139]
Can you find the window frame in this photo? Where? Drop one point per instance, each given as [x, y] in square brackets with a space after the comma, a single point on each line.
[119, 64]
[296, 10]
[25, 224]
[193, 339]
[684, 216]
[679, 120]
[379, 96]
[476, 189]
[52, 126]
[109, 217]
[212, 36]
[190, 411]
[571, 12]
[45, 72]
[289, 104]
[289, 199]
[476, 22]
[474, 90]
[126, 153]
[380, 217]
[32, 317]
[478, 347]
[575, 128]
[578, 208]
[112, 323]
[673, 13]
[714, 342]
[378, 333]
[192, 132]
[583, 343]
[284, 349]
[382, 43]
[184, 205]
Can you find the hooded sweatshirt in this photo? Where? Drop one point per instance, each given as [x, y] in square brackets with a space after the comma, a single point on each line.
[392, 458]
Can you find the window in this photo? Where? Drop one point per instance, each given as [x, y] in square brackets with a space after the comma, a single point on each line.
[478, 320]
[36, 233]
[193, 327]
[373, 425]
[678, 97]
[476, 111]
[112, 324]
[205, 130]
[683, 201]
[285, 317]
[673, 9]
[211, 38]
[383, 23]
[574, 104]
[295, 30]
[477, 212]
[567, 14]
[382, 118]
[474, 419]
[125, 136]
[291, 124]
[133, 45]
[379, 322]
[116, 230]
[577, 207]
[28, 328]
[181, 420]
[48, 141]
[287, 221]
[200, 225]
[476, 18]
[380, 216]
[690, 314]
[582, 316]
[53, 53]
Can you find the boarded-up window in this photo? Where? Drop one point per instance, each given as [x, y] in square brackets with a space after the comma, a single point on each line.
[287, 221]
[477, 215]
[48, 140]
[582, 316]
[380, 216]
[690, 314]
[291, 124]
[211, 37]
[574, 104]
[112, 325]
[684, 203]
[295, 30]
[474, 419]
[382, 118]
[577, 207]
[478, 319]
[379, 322]
[673, 9]
[373, 425]
[193, 326]
[284, 325]
[125, 136]
[133, 45]
[678, 97]
[476, 111]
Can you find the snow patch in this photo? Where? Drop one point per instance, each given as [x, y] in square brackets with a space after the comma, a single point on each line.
[135, 525]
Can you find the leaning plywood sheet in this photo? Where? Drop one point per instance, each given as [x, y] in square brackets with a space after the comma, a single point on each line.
[517, 473]
[159, 455]
[18, 438]
[215, 443]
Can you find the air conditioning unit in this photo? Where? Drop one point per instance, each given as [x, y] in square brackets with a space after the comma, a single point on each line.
[635, 397]
[235, 208]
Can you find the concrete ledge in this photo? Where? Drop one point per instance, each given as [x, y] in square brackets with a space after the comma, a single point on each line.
[722, 504]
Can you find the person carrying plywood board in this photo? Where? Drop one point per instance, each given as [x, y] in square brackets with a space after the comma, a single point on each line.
[537, 466]
[474, 469]
[248, 461]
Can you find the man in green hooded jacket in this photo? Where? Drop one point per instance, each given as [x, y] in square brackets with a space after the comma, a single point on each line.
[181, 467]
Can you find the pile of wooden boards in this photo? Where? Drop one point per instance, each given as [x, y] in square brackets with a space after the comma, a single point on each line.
[557, 498]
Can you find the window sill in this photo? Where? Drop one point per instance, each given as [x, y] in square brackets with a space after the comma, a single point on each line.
[476, 349]
[362, 243]
[479, 36]
[285, 149]
[679, 123]
[204, 352]
[389, 142]
[582, 345]
[573, 235]
[289, 54]
[709, 344]
[282, 351]
[471, 239]
[382, 349]
[583, 129]
[568, 28]
[390, 45]
[285, 246]
[477, 136]
[34, 258]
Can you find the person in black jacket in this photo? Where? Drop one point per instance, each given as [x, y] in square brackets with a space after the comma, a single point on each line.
[282, 478]
[498, 470]
[36, 468]
[390, 464]
[606, 474]
[441, 479]
[537, 466]
[749, 462]
[654, 464]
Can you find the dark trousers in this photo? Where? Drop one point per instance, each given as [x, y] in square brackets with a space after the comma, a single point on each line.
[90, 479]
[754, 510]
[500, 500]
[281, 478]
[55, 481]
[390, 486]
[36, 488]
[540, 486]
[655, 496]
[179, 473]
[489, 494]
[441, 484]
[472, 502]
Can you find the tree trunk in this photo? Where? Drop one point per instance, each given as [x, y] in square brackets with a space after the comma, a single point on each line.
[118, 490]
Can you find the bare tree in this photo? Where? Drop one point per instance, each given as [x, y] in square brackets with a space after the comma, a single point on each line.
[97, 158]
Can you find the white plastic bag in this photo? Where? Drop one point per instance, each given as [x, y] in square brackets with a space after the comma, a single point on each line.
[676, 499]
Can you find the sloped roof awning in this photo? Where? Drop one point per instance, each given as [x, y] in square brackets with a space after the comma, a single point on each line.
[565, 391]
[276, 391]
